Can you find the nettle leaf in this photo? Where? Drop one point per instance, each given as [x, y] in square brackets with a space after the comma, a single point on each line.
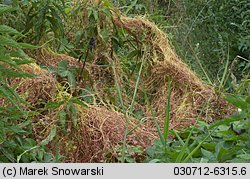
[17, 130]
[28, 46]
[71, 79]
[7, 59]
[95, 14]
[8, 42]
[8, 30]
[63, 68]
[62, 118]
[4, 9]
[12, 73]
[53, 105]
[50, 137]
[73, 113]
[79, 102]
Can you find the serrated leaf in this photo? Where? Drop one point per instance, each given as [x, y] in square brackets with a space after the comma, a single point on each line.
[4, 9]
[77, 101]
[71, 79]
[12, 73]
[73, 113]
[9, 42]
[53, 105]
[50, 137]
[9, 30]
[63, 68]
[28, 46]
[6, 59]
[62, 118]
[95, 13]
[17, 130]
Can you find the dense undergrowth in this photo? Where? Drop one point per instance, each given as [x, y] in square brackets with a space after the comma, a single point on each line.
[100, 84]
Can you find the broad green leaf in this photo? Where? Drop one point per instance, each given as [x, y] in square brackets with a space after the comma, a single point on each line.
[223, 154]
[71, 79]
[208, 155]
[63, 68]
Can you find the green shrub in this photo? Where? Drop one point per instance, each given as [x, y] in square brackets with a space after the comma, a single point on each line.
[17, 143]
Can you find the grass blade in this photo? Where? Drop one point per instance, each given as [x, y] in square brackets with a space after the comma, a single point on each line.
[153, 115]
[130, 112]
[184, 148]
[167, 116]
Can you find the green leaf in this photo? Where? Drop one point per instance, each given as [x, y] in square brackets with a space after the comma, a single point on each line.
[77, 101]
[50, 137]
[2, 133]
[244, 156]
[167, 113]
[4, 9]
[223, 153]
[9, 42]
[226, 121]
[10, 94]
[248, 99]
[238, 102]
[53, 105]
[71, 79]
[7, 59]
[28, 46]
[208, 155]
[73, 113]
[62, 119]
[9, 30]
[95, 13]
[133, 54]
[12, 73]
[63, 68]
[17, 130]
[155, 161]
